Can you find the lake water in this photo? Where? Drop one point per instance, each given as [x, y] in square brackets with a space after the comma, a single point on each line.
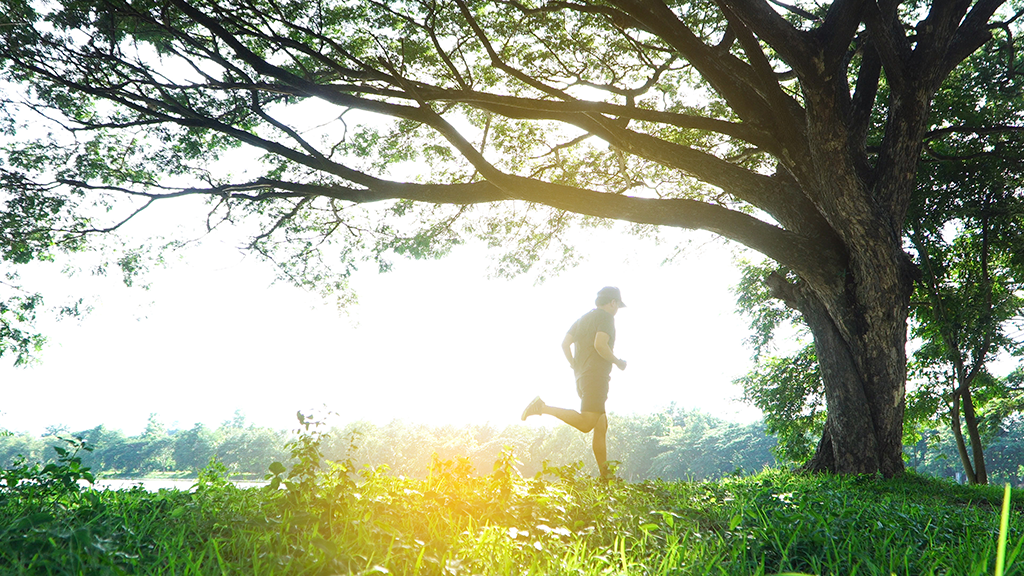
[156, 484]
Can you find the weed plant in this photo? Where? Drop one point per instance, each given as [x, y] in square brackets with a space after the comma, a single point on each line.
[327, 518]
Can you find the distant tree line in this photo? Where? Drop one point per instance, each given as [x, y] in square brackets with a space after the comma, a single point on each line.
[246, 450]
[675, 444]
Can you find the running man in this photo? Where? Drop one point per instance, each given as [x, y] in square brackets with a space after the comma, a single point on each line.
[593, 337]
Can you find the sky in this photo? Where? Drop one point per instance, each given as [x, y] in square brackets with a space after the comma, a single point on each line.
[435, 342]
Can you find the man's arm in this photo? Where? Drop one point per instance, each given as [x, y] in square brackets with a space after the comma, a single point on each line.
[567, 349]
[602, 347]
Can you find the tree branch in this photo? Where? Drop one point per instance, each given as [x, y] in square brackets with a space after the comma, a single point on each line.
[526, 108]
[788, 120]
[886, 34]
[805, 256]
[837, 32]
[500, 64]
[790, 44]
[979, 130]
[863, 102]
[732, 78]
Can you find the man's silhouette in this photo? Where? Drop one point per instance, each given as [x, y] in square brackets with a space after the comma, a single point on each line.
[593, 337]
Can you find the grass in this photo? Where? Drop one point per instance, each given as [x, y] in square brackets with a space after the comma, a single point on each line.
[338, 521]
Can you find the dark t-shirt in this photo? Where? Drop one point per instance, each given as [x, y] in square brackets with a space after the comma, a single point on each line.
[586, 359]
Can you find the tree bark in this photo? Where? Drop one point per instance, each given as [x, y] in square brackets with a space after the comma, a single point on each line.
[977, 450]
[958, 435]
[854, 440]
[864, 428]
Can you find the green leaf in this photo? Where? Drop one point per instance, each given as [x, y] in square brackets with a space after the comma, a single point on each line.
[735, 521]
[33, 520]
[324, 545]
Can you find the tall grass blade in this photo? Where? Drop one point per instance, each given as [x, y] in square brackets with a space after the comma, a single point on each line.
[1004, 528]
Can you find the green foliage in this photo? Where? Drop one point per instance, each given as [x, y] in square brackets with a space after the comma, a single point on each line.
[965, 226]
[788, 389]
[193, 447]
[672, 445]
[130, 122]
[243, 450]
[790, 393]
[17, 315]
[19, 309]
[675, 444]
[453, 521]
[935, 454]
[40, 484]
[700, 447]
[310, 470]
[28, 216]
[766, 313]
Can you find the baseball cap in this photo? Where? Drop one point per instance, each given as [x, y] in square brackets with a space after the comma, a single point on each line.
[610, 293]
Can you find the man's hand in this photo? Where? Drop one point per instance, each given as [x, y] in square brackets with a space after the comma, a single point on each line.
[567, 350]
[620, 363]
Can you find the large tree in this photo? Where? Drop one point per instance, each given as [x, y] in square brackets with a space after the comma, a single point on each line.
[742, 117]
[964, 231]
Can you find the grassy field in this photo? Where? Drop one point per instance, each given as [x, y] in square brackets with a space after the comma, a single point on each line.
[457, 522]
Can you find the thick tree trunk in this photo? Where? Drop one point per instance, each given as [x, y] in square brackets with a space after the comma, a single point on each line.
[865, 432]
[858, 313]
[864, 374]
[850, 426]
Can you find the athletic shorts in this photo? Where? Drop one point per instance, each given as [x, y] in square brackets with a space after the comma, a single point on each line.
[593, 392]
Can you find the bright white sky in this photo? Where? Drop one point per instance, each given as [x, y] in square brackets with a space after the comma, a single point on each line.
[435, 342]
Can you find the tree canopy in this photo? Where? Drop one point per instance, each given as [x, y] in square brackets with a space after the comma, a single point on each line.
[795, 130]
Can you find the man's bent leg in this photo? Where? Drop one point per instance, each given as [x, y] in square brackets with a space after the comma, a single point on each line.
[600, 445]
[584, 422]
